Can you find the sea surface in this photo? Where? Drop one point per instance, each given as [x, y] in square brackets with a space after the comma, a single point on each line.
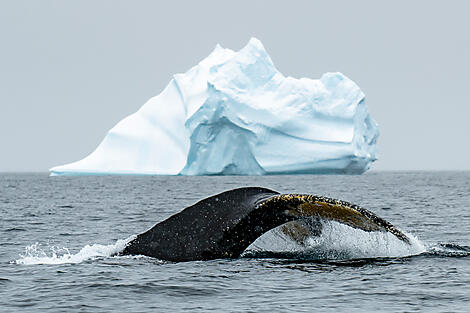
[59, 237]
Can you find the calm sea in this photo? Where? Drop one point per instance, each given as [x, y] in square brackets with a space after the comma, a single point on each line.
[58, 236]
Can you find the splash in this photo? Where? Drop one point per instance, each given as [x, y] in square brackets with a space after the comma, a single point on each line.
[36, 254]
[338, 241]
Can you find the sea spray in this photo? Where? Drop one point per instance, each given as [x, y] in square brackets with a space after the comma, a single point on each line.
[338, 241]
[37, 254]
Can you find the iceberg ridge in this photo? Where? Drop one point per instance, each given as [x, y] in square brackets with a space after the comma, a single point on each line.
[234, 113]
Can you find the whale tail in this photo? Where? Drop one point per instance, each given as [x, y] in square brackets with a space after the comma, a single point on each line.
[318, 207]
[224, 225]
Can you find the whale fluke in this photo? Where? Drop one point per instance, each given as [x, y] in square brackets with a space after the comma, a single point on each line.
[224, 225]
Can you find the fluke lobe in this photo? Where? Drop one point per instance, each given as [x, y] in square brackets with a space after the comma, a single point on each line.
[224, 225]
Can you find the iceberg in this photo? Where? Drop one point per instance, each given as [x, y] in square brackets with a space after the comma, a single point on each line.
[235, 114]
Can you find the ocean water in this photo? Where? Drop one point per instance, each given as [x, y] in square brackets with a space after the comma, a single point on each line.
[59, 237]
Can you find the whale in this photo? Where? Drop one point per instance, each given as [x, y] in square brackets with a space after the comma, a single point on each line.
[225, 224]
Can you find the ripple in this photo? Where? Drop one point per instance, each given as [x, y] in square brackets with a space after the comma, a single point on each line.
[449, 250]
[13, 229]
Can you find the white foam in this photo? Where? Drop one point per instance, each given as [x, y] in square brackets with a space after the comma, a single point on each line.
[339, 241]
[36, 254]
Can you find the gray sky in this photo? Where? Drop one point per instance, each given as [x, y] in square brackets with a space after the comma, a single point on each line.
[70, 70]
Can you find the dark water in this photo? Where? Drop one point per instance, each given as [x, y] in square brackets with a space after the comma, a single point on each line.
[57, 236]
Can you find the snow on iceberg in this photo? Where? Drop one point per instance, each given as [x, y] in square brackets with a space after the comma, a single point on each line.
[235, 113]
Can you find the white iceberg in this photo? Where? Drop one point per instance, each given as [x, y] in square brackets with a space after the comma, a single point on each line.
[235, 113]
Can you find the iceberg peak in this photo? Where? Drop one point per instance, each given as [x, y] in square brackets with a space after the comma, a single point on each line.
[255, 42]
[235, 113]
[255, 48]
